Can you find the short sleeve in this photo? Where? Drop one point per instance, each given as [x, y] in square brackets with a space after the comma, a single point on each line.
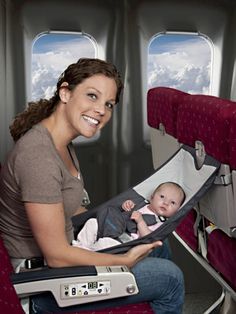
[39, 176]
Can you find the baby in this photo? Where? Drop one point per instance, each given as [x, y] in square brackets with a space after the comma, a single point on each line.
[165, 201]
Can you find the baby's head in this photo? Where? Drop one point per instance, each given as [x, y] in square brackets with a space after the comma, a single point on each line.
[167, 199]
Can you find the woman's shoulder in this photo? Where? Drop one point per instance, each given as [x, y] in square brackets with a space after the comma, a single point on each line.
[36, 137]
[35, 145]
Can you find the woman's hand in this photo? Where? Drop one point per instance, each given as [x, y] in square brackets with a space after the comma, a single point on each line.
[138, 252]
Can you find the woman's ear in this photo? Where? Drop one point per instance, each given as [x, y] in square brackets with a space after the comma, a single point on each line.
[64, 92]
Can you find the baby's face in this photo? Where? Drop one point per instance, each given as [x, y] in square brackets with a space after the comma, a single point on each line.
[166, 200]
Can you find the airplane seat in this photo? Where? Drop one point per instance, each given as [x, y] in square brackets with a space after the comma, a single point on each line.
[221, 244]
[185, 230]
[232, 144]
[207, 123]
[162, 109]
[162, 104]
[10, 301]
[208, 119]
[221, 255]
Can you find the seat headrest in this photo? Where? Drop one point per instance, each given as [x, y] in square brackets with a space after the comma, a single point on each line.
[162, 109]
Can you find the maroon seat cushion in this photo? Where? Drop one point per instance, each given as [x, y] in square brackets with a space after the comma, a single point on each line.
[186, 230]
[162, 105]
[206, 118]
[221, 255]
[141, 308]
[232, 142]
[9, 302]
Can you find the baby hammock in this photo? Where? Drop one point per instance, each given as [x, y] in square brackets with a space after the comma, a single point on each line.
[183, 168]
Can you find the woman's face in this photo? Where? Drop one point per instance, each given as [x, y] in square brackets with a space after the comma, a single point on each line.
[89, 106]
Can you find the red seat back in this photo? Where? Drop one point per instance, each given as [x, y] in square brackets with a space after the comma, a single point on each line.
[207, 119]
[9, 302]
[162, 107]
[232, 142]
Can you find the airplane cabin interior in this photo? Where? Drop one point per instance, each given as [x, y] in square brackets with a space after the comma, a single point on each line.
[148, 126]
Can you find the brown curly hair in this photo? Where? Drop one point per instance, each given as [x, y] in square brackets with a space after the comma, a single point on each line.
[75, 74]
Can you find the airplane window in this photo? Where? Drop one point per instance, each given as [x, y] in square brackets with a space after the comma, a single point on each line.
[51, 54]
[180, 61]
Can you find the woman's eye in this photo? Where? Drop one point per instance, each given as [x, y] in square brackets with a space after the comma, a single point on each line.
[110, 105]
[92, 96]
[173, 203]
[161, 196]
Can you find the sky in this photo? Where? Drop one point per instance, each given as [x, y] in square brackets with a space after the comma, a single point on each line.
[179, 61]
[51, 55]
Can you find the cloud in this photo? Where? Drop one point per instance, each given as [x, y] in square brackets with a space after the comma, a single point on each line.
[48, 65]
[183, 65]
[197, 48]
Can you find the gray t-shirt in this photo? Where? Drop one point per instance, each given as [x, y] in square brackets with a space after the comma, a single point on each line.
[34, 172]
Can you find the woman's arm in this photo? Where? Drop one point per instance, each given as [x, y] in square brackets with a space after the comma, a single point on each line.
[48, 226]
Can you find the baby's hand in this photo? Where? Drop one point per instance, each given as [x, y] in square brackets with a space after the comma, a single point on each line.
[137, 216]
[128, 205]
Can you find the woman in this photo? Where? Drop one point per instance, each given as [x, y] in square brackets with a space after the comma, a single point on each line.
[42, 188]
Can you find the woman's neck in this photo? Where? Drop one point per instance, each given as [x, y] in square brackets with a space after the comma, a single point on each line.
[58, 129]
[61, 141]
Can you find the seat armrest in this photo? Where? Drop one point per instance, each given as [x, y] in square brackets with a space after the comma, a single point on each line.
[47, 273]
[77, 285]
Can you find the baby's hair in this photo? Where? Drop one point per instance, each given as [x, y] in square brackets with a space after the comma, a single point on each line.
[174, 184]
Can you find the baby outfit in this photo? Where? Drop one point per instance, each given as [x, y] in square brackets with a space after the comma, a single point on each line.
[112, 227]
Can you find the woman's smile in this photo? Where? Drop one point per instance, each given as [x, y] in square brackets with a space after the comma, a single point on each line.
[90, 120]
